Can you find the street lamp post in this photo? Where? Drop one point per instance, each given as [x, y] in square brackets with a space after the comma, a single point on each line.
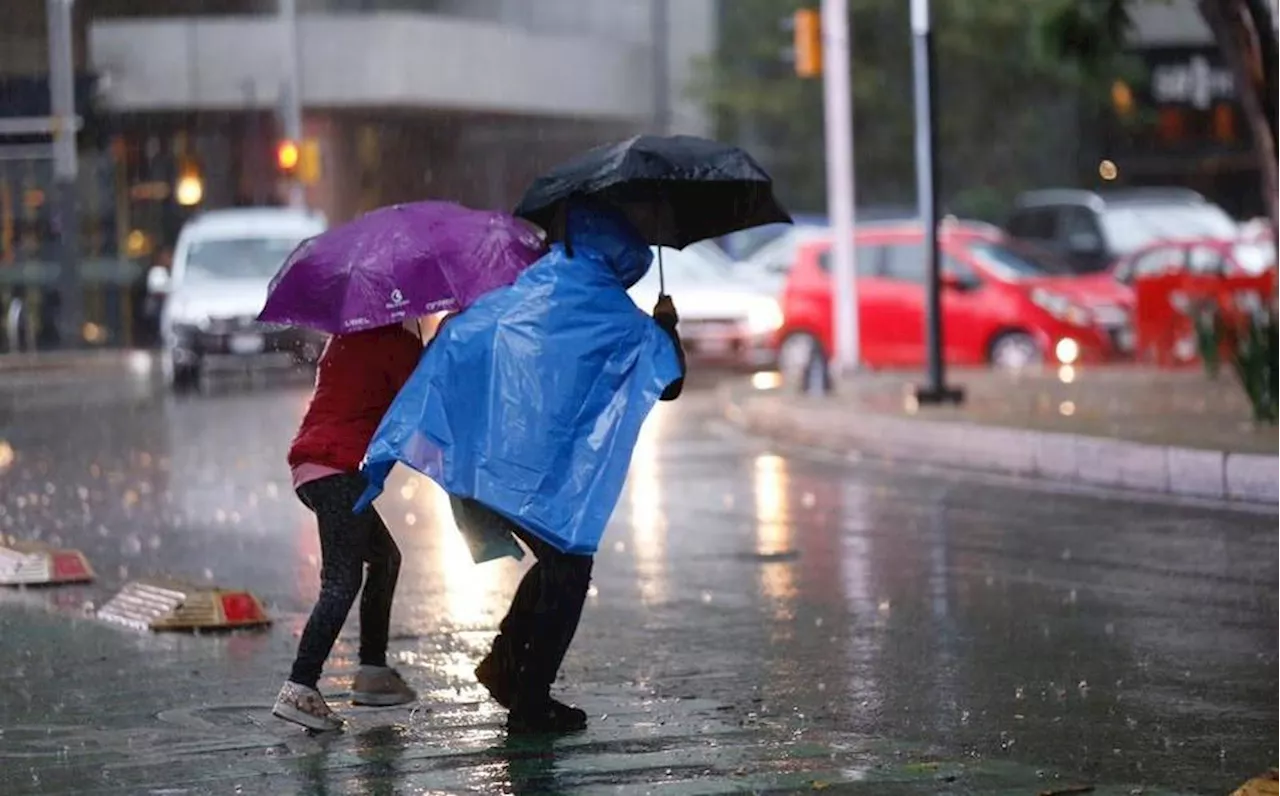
[291, 109]
[62, 101]
[838, 122]
[935, 391]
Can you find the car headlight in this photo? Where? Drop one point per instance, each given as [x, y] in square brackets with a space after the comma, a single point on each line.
[764, 317]
[1061, 307]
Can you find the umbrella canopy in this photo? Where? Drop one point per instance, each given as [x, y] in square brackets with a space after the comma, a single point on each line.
[399, 262]
[675, 190]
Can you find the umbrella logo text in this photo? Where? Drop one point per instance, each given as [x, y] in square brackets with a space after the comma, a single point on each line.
[397, 300]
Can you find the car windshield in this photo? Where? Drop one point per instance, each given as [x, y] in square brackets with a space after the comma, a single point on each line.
[1132, 228]
[238, 258]
[1015, 262]
[702, 264]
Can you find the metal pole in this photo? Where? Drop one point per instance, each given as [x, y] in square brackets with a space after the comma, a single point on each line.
[292, 110]
[935, 390]
[1274, 91]
[62, 101]
[660, 32]
[838, 120]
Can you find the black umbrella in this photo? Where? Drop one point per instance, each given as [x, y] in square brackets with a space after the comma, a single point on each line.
[676, 190]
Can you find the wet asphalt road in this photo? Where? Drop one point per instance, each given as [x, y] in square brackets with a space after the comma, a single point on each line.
[763, 619]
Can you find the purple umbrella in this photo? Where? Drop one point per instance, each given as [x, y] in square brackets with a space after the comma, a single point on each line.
[399, 262]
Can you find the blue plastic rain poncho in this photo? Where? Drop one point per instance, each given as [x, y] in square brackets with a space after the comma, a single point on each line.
[531, 400]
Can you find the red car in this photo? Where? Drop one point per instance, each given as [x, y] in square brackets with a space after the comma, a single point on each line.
[1004, 303]
[1192, 255]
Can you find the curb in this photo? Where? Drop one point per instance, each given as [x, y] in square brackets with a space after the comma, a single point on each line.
[1095, 461]
[53, 361]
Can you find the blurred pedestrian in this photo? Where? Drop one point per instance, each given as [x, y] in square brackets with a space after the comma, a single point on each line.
[357, 379]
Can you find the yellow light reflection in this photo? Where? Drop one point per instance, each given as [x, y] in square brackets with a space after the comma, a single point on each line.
[773, 526]
[766, 380]
[468, 587]
[648, 524]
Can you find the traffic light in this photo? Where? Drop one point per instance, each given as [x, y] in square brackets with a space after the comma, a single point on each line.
[299, 160]
[807, 27]
[287, 156]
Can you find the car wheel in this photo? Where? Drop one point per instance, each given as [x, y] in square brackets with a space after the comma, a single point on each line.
[1014, 351]
[798, 354]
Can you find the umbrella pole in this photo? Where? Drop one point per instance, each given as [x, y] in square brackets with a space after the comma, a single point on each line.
[662, 278]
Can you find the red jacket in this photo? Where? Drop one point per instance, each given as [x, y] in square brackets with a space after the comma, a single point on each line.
[357, 379]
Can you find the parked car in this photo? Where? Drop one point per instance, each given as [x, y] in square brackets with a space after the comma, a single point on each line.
[222, 265]
[771, 263]
[1204, 256]
[1004, 303]
[1093, 230]
[725, 319]
[742, 244]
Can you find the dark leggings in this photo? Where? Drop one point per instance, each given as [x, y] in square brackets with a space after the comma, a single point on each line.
[347, 543]
[544, 614]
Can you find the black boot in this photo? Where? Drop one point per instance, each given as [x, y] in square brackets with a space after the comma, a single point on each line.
[497, 671]
[537, 712]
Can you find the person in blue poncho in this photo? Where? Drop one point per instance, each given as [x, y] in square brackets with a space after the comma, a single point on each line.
[526, 408]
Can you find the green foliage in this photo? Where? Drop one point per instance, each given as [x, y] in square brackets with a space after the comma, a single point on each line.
[1010, 102]
[1254, 359]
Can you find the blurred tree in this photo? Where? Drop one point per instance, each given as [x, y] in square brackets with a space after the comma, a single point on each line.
[1010, 106]
[1091, 32]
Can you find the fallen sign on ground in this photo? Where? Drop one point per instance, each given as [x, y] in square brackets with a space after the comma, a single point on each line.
[1265, 785]
[39, 564]
[176, 606]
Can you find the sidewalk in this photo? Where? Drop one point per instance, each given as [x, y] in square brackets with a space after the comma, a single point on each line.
[1155, 431]
[48, 361]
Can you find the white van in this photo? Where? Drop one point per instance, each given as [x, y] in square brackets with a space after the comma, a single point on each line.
[222, 264]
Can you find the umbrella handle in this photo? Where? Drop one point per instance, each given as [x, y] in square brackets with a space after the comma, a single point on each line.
[662, 277]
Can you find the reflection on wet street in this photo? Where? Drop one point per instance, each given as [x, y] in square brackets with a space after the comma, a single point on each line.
[760, 619]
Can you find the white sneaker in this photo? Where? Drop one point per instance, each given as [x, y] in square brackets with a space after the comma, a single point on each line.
[305, 707]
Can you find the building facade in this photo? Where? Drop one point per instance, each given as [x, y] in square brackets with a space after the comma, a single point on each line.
[1180, 122]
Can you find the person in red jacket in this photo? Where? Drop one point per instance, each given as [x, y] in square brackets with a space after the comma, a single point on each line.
[358, 377]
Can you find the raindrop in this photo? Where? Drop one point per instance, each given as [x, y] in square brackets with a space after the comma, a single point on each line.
[884, 606]
[49, 488]
[410, 519]
[817, 622]
[727, 500]
[706, 597]
[82, 493]
[21, 502]
[619, 547]
[1083, 687]
[1071, 597]
[1066, 554]
[235, 518]
[273, 491]
[208, 574]
[131, 545]
[1018, 693]
[822, 687]
[154, 542]
[592, 591]
[808, 500]
[220, 516]
[1110, 629]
